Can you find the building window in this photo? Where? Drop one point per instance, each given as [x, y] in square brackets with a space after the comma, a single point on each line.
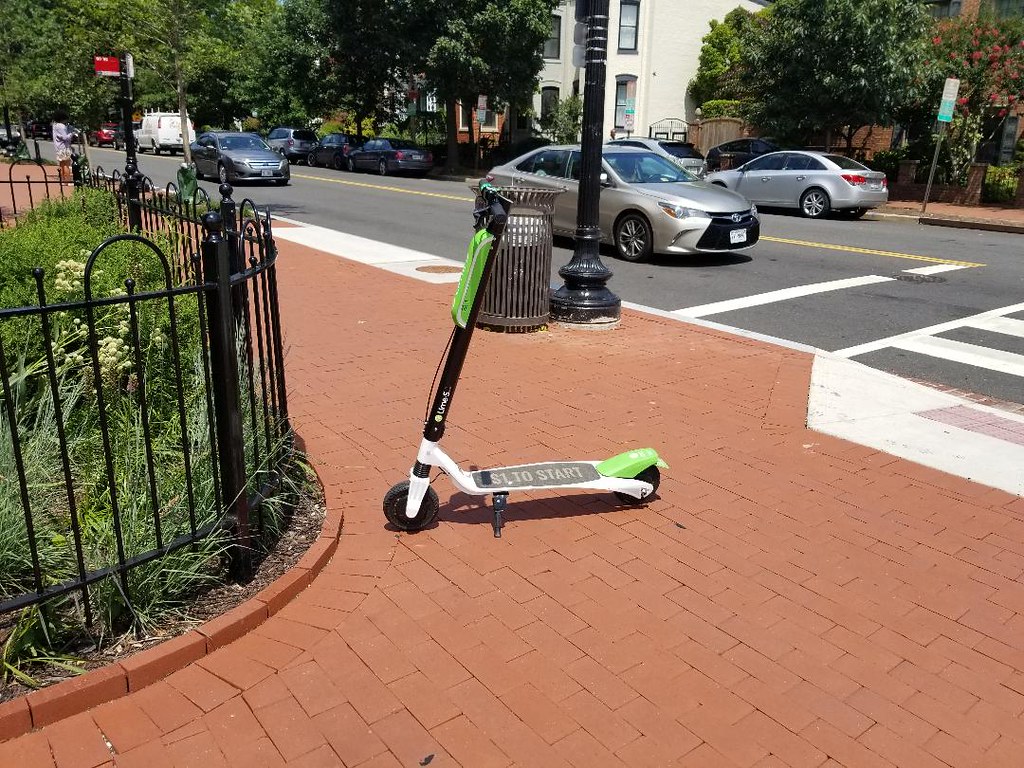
[942, 8]
[629, 23]
[548, 101]
[1006, 9]
[468, 116]
[553, 45]
[625, 102]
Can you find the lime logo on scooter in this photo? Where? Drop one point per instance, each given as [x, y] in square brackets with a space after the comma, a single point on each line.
[469, 283]
[443, 406]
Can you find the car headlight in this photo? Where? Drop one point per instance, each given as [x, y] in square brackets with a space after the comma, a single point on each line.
[682, 212]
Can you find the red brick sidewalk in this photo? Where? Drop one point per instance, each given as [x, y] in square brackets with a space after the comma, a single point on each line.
[788, 599]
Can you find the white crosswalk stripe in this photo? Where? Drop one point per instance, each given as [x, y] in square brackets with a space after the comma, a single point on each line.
[968, 354]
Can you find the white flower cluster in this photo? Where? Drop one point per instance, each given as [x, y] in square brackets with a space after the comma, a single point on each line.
[159, 339]
[114, 356]
[69, 276]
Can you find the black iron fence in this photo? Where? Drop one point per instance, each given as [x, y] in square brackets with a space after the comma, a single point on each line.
[144, 402]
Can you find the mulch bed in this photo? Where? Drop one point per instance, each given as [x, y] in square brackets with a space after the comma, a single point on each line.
[303, 528]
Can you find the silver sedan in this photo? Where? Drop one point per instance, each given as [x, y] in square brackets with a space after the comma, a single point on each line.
[813, 182]
[648, 203]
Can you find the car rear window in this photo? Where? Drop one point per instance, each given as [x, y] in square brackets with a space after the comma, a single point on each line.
[679, 149]
[305, 136]
[402, 144]
[846, 163]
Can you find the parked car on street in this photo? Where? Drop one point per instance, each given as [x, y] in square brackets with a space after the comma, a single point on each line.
[741, 151]
[39, 129]
[680, 152]
[386, 156]
[9, 141]
[648, 203]
[332, 151]
[162, 132]
[814, 182]
[293, 143]
[105, 136]
[230, 157]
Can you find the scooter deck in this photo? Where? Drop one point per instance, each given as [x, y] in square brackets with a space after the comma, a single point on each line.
[545, 474]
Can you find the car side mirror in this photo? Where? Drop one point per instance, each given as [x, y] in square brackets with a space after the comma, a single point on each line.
[605, 181]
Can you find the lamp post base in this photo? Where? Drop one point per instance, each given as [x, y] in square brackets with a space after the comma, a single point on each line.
[583, 306]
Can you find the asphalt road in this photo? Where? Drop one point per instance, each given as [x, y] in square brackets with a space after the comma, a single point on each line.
[846, 286]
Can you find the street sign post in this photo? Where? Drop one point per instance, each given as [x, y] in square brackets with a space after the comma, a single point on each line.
[946, 107]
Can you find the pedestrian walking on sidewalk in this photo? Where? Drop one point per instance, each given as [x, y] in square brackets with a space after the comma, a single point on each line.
[63, 137]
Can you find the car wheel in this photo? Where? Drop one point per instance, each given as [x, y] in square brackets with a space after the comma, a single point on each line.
[311, 159]
[156, 148]
[350, 166]
[339, 162]
[222, 174]
[853, 213]
[634, 240]
[382, 168]
[814, 203]
[281, 182]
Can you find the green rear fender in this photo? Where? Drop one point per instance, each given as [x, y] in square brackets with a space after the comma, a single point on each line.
[472, 271]
[631, 463]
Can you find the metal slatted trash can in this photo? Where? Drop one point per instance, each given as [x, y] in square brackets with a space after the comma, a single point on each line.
[517, 296]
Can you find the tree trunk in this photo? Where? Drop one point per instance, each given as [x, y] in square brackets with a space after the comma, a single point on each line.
[179, 77]
[828, 139]
[452, 130]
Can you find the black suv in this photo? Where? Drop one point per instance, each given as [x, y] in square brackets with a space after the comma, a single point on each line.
[332, 151]
[293, 143]
[741, 151]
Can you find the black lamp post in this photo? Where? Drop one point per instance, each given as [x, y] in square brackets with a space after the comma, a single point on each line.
[584, 299]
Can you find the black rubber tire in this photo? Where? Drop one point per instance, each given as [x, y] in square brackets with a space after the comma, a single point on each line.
[156, 149]
[281, 182]
[349, 165]
[394, 508]
[311, 159]
[815, 203]
[650, 475]
[382, 167]
[339, 163]
[853, 213]
[634, 240]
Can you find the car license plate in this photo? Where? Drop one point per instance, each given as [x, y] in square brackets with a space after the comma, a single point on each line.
[738, 236]
[876, 185]
[267, 172]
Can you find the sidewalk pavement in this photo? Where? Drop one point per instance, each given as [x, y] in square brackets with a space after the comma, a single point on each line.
[787, 599]
[991, 217]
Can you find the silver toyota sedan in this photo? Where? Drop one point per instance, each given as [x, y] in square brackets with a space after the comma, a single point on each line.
[813, 182]
[648, 203]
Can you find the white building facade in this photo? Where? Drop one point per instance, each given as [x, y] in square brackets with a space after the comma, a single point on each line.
[653, 51]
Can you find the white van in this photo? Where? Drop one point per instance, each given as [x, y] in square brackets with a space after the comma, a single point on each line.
[161, 131]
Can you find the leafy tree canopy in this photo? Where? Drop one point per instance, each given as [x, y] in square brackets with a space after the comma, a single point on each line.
[720, 58]
[825, 66]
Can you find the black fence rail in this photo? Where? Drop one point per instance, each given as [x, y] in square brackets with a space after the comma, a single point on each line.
[144, 403]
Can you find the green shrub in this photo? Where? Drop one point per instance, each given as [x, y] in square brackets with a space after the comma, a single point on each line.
[888, 161]
[1000, 184]
[721, 108]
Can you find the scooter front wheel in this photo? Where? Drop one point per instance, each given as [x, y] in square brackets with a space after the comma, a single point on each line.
[394, 508]
[650, 475]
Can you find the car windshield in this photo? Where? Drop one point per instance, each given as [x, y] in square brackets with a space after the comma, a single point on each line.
[846, 163]
[646, 168]
[243, 142]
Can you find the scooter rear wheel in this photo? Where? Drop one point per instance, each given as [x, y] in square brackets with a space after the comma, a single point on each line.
[394, 508]
[650, 475]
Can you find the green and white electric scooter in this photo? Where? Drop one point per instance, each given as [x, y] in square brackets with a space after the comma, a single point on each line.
[412, 504]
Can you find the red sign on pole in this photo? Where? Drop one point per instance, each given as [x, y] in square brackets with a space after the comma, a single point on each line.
[107, 66]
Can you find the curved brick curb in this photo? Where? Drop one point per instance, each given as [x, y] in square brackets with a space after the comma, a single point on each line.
[79, 694]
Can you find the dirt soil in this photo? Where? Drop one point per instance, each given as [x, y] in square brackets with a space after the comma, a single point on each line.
[302, 530]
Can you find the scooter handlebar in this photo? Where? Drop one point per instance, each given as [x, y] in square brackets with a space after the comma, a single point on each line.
[496, 208]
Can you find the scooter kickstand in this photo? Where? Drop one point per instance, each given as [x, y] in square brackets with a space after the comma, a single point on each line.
[500, 500]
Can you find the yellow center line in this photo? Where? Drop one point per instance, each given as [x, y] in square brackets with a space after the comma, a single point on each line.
[872, 252]
[381, 187]
[805, 243]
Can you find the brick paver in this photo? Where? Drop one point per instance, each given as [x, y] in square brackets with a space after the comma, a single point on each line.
[788, 599]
